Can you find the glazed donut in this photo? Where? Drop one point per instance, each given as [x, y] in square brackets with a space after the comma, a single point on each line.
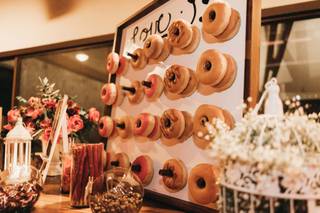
[138, 59]
[143, 124]
[215, 18]
[106, 126]
[153, 87]
[156, 132]
[229, 76]
[196, 37]
[112, 62]
[108, 93]
[205, 113]
[135, 92]
[176, 78]
[180, 33]
[188, 127]
[120, 159]
[120, 96]
[228, 118]
[172, 123]
[192, 85]
[202, 183]
[232, 28]
[142, 166]
[174, 174]
[211, 67]
[123, 66]
[166, 50]
[124, 126]
[153, 46]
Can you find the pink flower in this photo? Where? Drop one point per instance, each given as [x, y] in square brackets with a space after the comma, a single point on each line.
[46, 133]
[94, 115]
[45, 123]
[30, 127]
[75, 123]
[13, 115]
[8, 127]
[34, 101]
[34, 113]
[49, 103]
[73, 108]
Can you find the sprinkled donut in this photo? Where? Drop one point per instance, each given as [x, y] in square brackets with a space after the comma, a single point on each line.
[142, 166]
[174, 174]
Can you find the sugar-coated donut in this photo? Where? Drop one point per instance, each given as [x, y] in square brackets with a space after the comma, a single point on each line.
[156, 132]
[232, 28]
[108, 93]
[188, 129]
[135, 92]
[228, 118]
[106, 126]
[138, 59]
[143, 124]
[180, 33]
[112, 62]
[153, 87]
[166, 50]
[120, 159]
[202, 183]
[215, 18]
[211, 67]
[142, 166]
[123, 66]
[192, 85]
[174, 174]
[203, 115]
[229, 76]
[176, 78]
[124, 126]
[153, 46]
[172, 123]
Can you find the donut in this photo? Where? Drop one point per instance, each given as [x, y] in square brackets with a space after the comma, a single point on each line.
[215, 18]
[123, 66]
[108, 94]
[120, 96]
[192, 85]
[196, 37]
[202, 183]
[188, 127]
[153, 46]
[143, 124]
[228, 118]
[135, 92]
[232, 28]
[172, 123]
[166, 50]
[142, 166]
[124, 126]
[174, 174]
[180, 33]
[229, 76]
[153, 87]
[120, 159]
[138, 59]
[176, 78]
[205, 113]
[106, 126]
[112, 62]
[211, 67]
[156, 132]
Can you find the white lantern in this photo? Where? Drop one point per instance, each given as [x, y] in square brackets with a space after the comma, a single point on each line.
[18, 154]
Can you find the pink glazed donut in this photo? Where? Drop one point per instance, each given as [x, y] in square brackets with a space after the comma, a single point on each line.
[112, 62]
[143, 124]
[123, 66]
[106, 126]
[108, 93]
[153, 87]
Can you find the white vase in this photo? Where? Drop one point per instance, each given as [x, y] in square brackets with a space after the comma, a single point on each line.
[55, 167]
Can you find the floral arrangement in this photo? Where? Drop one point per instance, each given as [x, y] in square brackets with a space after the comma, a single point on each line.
[38, 114]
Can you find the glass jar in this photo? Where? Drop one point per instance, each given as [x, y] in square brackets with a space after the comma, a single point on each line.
[120, 191]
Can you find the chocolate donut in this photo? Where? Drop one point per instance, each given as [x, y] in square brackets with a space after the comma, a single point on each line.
[180, 33]
[172, 123]
[176, 78]
[174, 174]
[211, 67]
[202, 184]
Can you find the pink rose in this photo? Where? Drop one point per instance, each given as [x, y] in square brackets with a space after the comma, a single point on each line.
[73, 108]
[45, 123]
[46, 133]
[13, 115]
[94, 115]
[34, 113]
[8, 127]
[75, 123]
[34, 101]
[49, 103]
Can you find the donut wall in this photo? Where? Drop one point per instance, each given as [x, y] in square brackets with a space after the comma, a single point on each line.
[198, 58]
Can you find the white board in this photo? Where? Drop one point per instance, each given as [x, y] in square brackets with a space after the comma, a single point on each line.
[230, 99]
